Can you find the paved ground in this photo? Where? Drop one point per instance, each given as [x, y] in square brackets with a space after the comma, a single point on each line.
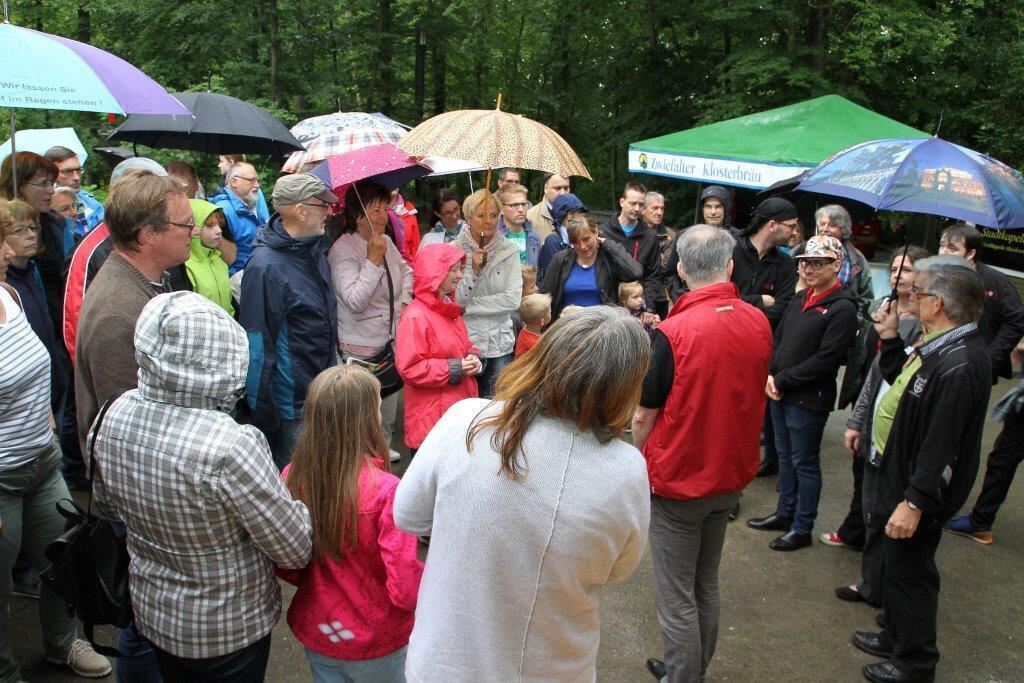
[780, 620]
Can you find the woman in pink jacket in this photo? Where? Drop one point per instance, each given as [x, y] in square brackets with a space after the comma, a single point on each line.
[353, 611]
[433, 353]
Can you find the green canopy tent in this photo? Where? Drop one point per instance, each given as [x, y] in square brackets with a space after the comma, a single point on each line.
[758, 150]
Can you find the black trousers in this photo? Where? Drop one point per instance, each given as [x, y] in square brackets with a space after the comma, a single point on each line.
[852, 528]
[242, 666]
[911, 599]
[1007, 453]
[771, 453]
[872, 558]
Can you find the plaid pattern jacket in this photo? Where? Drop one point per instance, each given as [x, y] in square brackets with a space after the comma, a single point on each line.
[207, 514]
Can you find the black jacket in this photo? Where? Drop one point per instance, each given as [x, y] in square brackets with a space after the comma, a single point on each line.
[642, 245]
[674, 283]
[1002, 320]
[774, 275]
[612, 267]
[810, 346]
[932, 453]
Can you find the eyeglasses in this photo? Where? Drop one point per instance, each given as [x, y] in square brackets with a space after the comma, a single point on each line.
[24, 230]
[71, 171]
[45, 185]
[789, 226]
[187, 226]
[321, 205]
[251, 180]
[518, 205]
[453, 212]
[919, 293]
[815, 264]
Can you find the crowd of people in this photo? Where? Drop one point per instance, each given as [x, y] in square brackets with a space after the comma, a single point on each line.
[237, 368]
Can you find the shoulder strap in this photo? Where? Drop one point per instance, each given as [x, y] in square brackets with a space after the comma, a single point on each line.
[14, 294]
[92, 442]
[391, 298]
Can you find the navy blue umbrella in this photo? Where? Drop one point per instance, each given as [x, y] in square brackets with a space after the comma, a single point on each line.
[924, 175]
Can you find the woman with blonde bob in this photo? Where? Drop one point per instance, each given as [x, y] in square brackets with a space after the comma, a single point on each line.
[532, 505]
[354, 608]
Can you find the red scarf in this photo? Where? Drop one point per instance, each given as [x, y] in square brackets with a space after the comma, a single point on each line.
[814, 299]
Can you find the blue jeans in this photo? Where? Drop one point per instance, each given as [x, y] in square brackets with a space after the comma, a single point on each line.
[489, 375]
[242, 666]
[387, 669]
[282, 442]
[798, 435]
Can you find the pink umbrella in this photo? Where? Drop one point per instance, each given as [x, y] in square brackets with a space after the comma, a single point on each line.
[384, 163]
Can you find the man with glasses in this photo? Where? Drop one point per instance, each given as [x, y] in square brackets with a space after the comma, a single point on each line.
[766, 278]
[508, 176]
[241, 206]
[926, 443]
[288, 309]
[540, 214]
[1001, 326]
[135, 272]
[811, 341]
[88, 210]
[514, 224]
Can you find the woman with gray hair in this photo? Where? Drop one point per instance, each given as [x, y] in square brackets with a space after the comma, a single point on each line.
[854, 272]
[532, 505]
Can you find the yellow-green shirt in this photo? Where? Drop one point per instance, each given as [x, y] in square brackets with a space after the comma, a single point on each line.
[885, 412]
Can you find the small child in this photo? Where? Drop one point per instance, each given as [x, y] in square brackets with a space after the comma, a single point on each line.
[535, 311]
[353, 611]
[529, 280]
[570, 309]
[631, 297]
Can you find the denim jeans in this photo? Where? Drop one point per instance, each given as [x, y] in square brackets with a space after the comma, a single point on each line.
[387, 669]
[798, 435]
[282, 442]
[242, 666]
[28, 497]
[488, 377]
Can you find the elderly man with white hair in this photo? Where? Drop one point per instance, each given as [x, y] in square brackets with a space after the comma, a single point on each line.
[854, 272]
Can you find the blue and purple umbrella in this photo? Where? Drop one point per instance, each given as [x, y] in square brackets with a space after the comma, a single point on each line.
[43, 71]
[925, 175]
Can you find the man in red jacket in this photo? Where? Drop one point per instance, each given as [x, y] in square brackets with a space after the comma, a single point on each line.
[700, 439]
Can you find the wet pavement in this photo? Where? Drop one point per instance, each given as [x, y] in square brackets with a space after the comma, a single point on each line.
[780, 618]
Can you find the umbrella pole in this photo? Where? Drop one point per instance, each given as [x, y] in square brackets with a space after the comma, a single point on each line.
[14, 149]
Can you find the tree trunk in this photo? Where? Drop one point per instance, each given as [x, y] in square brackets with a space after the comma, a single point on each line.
[384, 38]
[274, 48]
[84, 22]
[440, 67]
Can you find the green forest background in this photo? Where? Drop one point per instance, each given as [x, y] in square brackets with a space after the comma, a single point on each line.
[603, 73]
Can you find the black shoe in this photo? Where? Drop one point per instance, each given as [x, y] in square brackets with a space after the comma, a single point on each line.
[735, 512]
[887, 672]
[770, 523]
[876, 644]
[767, 468]
[790, 540]
[880, 619]
[657, 668]
[847, 594]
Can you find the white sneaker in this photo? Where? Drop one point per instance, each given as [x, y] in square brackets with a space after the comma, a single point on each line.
[393, 455]
[84, 661]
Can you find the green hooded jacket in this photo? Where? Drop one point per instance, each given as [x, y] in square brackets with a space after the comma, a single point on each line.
[206, 270]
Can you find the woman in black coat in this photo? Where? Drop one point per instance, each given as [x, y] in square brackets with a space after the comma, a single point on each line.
[589, 274]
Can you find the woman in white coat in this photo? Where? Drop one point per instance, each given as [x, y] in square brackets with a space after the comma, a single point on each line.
[491, 287]
[532, 505]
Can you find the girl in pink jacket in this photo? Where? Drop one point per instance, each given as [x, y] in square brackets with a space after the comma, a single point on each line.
[433, 353]
[354, 608]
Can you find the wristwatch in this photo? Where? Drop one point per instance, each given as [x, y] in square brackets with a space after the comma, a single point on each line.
[912, 506]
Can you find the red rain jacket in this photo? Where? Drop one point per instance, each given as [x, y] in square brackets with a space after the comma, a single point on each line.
[705, 439]
[430, 344]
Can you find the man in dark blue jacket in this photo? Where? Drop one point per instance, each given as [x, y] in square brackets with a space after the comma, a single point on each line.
[288, 309]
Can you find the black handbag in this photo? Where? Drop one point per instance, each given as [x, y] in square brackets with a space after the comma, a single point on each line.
[382, 363]
[89, 567]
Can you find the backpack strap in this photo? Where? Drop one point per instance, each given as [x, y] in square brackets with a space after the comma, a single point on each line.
[97, 425]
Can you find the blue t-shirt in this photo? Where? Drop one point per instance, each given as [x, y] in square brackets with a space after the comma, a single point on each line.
[628, 229]
[581, 287]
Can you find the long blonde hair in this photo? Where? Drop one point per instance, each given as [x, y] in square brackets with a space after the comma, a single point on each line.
[588, 369]
[341, 432]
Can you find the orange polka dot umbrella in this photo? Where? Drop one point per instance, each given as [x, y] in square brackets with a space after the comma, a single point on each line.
[495, 139]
